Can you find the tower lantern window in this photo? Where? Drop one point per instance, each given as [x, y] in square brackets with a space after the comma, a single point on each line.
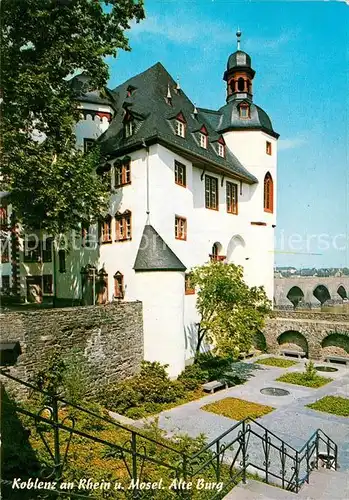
[241, 84]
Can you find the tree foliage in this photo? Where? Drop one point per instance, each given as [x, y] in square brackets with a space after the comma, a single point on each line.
[52, 185]
[231, 313]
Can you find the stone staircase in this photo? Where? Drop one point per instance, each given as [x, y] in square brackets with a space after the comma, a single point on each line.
[323, 485]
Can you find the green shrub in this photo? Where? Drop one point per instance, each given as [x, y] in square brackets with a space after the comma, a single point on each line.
[192, 376]
[144, 393]
[75, 380]
[310, 372]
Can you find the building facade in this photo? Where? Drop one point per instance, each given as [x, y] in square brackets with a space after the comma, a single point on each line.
[187, 185]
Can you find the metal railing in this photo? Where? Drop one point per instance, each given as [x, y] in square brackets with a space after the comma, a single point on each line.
[244, 449]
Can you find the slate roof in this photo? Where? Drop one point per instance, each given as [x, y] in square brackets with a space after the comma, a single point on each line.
[155, 118]
[155, 255]
[239, 59]
[79, 83]
[230, 118]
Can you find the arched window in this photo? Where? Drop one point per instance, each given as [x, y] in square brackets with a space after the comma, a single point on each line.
[268, 193]
[215, 252]
[119, 285]
[215, 255]
[241, 85]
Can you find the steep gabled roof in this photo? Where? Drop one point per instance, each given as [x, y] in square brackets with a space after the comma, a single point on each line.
[80, 83]
[148, 98]
[155, 255]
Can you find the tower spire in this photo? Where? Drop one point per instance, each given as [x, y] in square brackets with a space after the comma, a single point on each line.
[238, 36]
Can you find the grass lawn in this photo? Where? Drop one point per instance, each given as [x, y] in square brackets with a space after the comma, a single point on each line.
[301, 379]
[280, 363]
[332, 404]
[237, 409]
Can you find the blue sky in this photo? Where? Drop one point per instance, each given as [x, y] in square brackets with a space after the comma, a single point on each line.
[300, 53]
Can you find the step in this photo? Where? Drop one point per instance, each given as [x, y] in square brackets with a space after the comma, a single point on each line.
[324, 485]
[256, 490]
[327, 485]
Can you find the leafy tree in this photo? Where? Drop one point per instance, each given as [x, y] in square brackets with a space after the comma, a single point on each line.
[53, 186]
[231, 313]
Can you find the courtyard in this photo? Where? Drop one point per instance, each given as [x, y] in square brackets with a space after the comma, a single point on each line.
[291, 420]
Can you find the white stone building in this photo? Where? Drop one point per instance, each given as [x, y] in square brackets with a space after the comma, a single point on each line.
[187, 185]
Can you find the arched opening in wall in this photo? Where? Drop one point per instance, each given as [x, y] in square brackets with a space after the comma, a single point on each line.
[216, 251]
[294, 341]
[236, 251]
[295, 295]
[342, 292]
[241, 85]
[335, 344]
[322, 294]
[259, 342]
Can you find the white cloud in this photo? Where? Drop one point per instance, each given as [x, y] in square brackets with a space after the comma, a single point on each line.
[184, 30]
[294, 143]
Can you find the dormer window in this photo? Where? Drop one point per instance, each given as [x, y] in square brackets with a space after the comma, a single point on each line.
[130, 90]
[129, 129]
[180, 125]
[221, 150]
[180, 128]
[203, 137]
[244, 111]
[203, 140]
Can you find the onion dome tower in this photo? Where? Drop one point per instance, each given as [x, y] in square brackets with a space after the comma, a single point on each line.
[239, 74]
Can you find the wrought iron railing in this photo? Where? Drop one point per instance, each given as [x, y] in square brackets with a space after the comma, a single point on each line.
[244, 449]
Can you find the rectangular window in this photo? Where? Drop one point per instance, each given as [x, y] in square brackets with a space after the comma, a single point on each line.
[48, 287]
[47, 250]
[180, 174]
[232, 198]
[3, 217]
[61, 261]
[180, 228]
[189, 287]
[123, 174]
[85, 235]
[32, 250]
[128, 129]
[180, 128]
[221, 150]
[5, 248]
[88, 144]
[123, 227]
[244, 111]
[5, 283]
[106, 230]
[268, 148]
[203, 140]
[118, 286]
[211, 192]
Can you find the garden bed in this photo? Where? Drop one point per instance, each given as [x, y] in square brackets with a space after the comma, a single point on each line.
[302, 379]
[238, 409]
[279, 363]
[332, 404]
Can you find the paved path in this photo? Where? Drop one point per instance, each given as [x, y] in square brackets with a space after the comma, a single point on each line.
[291, 421]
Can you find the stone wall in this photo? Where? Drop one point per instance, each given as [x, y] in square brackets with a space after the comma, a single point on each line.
[110, 338]
[317, 334]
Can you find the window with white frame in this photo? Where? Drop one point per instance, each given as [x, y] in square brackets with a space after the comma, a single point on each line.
[203, 140]
[180, 128]
[221, 150]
